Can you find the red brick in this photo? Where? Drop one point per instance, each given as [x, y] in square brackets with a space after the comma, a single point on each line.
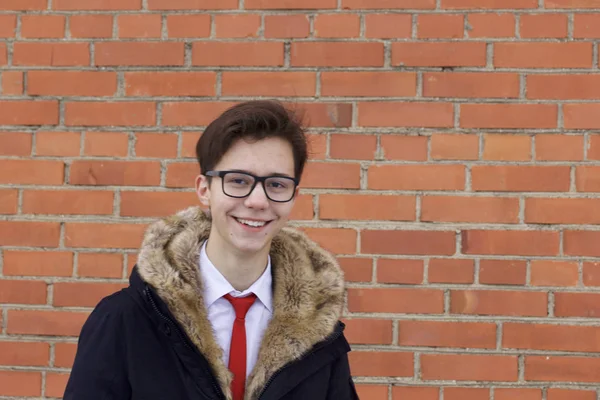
[139, 53]
[38, 263]
[373, 392]
[577, 305]
[303, 208]
[357, 269]
[581, 243]
[397, 300]
[337, 241]
[192, 4]
[369, 331]
[286, 26]
[367, 207]
[26, 353]
[79, 5]
[57, 143]
[388, 26]
[182, 175]
[393, 364]
[170, 83]
[43, 26]
[68, 202]
[353, 147]
[489, 4]
[496, 25]
[331, 175]
[392, 270]
[438, 54]
[338, 54]
[367, 83]
[4, 54]
[82, 294]
[587, 178]
[128, 173]
[8, 201]
[469, 367]
[323, 114]
[470, 209]
[522, 243]
[389, 4]
[581, 116]
[71, 83]
[461, 393]
[95, 113]
[550, 337]
[236, 54]
[91, 26]
[155, 204]
[100, 265]
[416, 177]
[447, 334]
[139, 25]
[534, 116]
[407, 148]
[449, 270]
[433, 26]
[408, 242]
[454, 146]
[493, 302]
[56, 384]
[20, 383]
[158, 145]
[414, 393]
[562, 211]
[543, 26]
[34, 234]
[337, 25]
[502, 272]
[289, 4]
[113, 144]
[569, 394]
[8, 25]
[572, 4]
[184, 26]
[471, 85]
[543, 55]
[317, 146]
[23, 292]
[554, 273]
[562, 369]
[552, 147]
[505, 147]
[12, 82]
[237, 25]
[58, 54]
[517, 394]
[103, 235]
[18, 112]
[593, 148]
[23, 5]
[383, 114]
[188, 143]
[31, 172]
[64, 354]
[586, 26]
[520, 178]
[52, 323]
[591, 274]
[15, 143]
[558, 87]
[258, 83]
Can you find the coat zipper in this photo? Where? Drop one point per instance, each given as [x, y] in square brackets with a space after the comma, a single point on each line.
[184, 340]
[329, 340]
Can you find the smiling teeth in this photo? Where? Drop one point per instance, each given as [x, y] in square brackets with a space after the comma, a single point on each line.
[255, 224]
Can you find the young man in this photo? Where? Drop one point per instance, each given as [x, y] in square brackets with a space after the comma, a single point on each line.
[224, 301]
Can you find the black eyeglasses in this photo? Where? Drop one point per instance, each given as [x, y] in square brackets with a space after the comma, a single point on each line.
[280, 189]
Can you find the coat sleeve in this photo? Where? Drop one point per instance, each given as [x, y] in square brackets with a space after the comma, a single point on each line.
[99, 371]
[341, 385]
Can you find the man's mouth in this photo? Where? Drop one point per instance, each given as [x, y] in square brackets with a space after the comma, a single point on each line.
[251, 223]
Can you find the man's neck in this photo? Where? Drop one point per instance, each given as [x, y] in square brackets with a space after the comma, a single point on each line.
[240, 269]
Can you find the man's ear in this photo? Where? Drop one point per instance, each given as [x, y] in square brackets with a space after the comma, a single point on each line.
[203, 190]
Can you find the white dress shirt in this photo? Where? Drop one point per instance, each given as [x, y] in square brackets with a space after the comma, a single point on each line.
[221, 313]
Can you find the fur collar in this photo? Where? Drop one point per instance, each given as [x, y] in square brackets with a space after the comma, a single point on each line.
[308, 292]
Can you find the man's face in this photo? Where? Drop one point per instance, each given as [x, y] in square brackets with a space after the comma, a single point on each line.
[261, 158]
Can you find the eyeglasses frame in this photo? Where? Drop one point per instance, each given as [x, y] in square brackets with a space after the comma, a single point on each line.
[257, 179]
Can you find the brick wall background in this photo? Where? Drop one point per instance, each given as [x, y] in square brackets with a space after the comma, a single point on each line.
[455, 172]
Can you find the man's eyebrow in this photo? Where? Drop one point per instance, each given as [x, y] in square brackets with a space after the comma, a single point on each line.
[277, 174]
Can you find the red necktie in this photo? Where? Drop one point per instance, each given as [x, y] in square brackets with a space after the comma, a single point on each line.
[237, 351]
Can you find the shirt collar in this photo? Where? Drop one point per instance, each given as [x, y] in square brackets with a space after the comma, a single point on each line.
[216, 285]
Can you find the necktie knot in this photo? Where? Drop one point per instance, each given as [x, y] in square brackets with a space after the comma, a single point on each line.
[241, 305]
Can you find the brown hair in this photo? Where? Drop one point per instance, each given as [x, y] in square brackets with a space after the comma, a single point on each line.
[255, 120]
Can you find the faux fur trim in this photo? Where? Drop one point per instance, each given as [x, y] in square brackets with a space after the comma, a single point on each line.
[308, 290]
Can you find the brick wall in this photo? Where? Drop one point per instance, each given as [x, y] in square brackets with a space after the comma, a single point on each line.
[455, 172]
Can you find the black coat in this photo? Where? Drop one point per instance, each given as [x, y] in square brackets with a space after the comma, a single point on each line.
[152, 340]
